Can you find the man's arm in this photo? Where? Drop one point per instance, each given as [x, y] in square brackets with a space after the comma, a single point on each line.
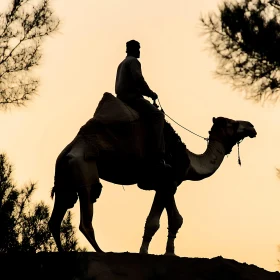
[136, 72]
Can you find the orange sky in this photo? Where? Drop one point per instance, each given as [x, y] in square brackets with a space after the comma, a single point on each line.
[235, 213]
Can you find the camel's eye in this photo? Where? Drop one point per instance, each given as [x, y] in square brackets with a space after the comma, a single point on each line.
[233, 125]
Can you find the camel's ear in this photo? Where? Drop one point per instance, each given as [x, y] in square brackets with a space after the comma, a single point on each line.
[214, 119]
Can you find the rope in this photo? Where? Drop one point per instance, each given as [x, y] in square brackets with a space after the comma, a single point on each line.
[239, 160]
[206, 139]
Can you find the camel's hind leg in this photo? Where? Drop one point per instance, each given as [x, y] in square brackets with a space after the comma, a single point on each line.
[57, 216]
[63, 200]
[86, 215]
[85, 175]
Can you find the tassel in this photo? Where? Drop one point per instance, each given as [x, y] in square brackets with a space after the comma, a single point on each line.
[239, 160]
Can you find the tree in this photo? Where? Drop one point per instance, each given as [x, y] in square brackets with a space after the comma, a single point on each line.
[22, 30]
[245, 37]
[24, 227]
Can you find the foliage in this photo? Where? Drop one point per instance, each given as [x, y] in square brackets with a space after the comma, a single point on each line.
[245, 37]
[23, 226]
[22, 29]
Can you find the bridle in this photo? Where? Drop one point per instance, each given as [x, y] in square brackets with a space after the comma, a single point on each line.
[228, 147]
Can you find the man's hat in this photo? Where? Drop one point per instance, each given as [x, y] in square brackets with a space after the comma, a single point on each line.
[132, 44]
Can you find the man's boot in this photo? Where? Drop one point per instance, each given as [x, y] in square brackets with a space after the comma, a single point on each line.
[158, 162]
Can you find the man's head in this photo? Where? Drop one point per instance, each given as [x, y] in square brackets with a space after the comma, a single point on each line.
[133, 48]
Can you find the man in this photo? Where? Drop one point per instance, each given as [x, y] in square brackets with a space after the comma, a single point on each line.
[130, 87]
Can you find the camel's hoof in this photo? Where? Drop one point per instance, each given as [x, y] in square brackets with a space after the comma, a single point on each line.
[100, 251]
[170, 254]
[143, 251]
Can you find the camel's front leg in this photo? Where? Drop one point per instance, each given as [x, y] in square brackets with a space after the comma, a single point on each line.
[175, 221]
[152, 222]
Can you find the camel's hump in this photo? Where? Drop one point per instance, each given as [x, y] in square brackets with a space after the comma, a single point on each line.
[112, 110]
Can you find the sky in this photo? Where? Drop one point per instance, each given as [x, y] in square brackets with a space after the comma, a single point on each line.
[235, 213]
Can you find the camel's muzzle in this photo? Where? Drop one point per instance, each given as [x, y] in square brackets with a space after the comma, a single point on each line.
[252, 132]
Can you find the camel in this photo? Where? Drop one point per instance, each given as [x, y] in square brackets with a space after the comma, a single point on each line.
[114, 146]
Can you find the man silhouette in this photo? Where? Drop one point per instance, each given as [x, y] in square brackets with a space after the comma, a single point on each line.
[130, 87]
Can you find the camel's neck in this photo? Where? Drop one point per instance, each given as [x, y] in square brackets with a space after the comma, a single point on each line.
[206, 164]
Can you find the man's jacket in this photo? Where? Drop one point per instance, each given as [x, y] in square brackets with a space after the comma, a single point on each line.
[130, 83]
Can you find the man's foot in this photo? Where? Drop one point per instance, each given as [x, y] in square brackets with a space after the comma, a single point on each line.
[157, 168]
[161, 165]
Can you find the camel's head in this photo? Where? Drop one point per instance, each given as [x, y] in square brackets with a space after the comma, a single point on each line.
[231, 132]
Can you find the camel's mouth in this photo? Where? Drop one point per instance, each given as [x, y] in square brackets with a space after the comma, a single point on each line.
[252, 133]
[246, 129]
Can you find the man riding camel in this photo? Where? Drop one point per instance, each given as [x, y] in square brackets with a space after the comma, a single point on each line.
[130, 87]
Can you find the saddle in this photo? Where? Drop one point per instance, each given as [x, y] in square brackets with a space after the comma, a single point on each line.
[116, 131]
[115, 128]
[112, 110]
[123, 122]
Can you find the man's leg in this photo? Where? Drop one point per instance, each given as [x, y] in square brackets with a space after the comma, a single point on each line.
[155, 120]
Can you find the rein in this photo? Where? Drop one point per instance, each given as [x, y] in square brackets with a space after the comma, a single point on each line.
[206, 139]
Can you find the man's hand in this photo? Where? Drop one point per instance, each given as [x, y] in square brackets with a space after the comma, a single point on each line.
[154, 96]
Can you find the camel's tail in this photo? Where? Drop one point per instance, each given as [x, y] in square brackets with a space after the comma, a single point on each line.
[54, 187]
[52, 192]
